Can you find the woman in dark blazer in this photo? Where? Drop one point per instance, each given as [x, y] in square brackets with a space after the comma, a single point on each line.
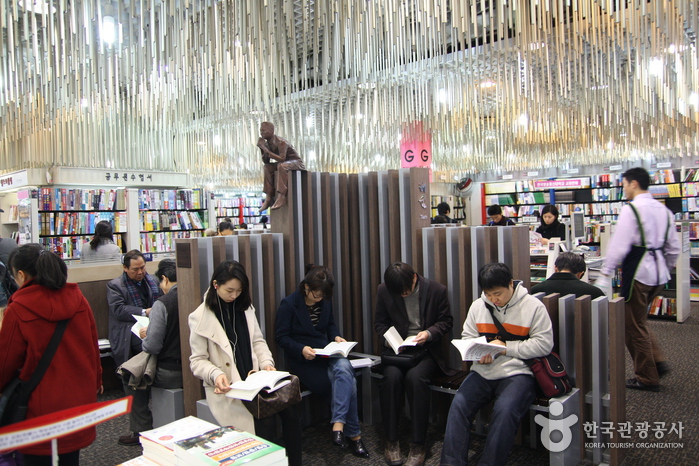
[305, 321]
[550, 226]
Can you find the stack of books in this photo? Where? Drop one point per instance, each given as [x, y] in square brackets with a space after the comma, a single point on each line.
[194, 442]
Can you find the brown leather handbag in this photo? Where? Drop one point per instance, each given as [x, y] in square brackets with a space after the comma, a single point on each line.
[266, 404]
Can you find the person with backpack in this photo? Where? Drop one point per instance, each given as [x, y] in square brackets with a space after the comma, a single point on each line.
[74, 375]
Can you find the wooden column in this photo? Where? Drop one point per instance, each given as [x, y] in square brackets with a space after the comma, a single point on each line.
[325, 230]
[551, 303]
[284, 221]
[189, 293]
[520, 255]
[393, 218]
[583, 366]
[355, 250]
[375, 272]
[419, 210]
[343, 246]
[309, 225]
[617, 371]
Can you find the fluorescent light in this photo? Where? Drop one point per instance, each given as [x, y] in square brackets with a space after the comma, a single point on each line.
[311, 155]
[487, 84]
[442, 95]
[108, 33]
[655, 66]
[84, 102]
[37, 6]
[217, 139]
[694, 99]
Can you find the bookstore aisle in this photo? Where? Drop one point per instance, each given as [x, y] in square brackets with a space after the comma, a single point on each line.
[671, 405]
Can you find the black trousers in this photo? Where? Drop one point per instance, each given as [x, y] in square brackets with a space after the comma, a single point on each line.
[414, 382]
[291, 431]
[66, 459]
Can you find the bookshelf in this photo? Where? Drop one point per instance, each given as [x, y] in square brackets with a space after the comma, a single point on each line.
[240, 209]
[165, 215]
[599, 197]
[67, 217]
[456, 203]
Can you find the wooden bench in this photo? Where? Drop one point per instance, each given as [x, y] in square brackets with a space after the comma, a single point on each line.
[589, 337]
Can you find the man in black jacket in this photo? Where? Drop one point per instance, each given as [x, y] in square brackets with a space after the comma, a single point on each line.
[418, 307]
[569, 269]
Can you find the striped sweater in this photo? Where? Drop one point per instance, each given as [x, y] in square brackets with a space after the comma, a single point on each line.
[523, 316]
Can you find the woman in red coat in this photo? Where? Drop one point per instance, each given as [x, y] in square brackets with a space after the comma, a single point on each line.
[74, 376]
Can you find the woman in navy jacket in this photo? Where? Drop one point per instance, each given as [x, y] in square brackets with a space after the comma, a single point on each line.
[305, 321]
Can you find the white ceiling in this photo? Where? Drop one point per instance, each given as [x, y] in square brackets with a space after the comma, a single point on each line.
[498, 84]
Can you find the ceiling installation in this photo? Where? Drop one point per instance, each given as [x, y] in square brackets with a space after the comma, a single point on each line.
[501, 85]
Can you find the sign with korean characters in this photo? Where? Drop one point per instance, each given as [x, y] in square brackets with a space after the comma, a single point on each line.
[115, 177]
[14, 180]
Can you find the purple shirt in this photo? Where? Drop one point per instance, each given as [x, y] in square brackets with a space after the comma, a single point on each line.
[655, 218]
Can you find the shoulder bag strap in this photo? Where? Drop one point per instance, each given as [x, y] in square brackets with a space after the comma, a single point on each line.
[505, 333]
[46, 358]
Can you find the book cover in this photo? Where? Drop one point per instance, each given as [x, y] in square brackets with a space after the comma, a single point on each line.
[227, 446]
[473, 349]
[247, 389]
[335, 349]
[394, 339]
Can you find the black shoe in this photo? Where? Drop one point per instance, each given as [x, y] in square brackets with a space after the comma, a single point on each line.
[634, 384]
[357, 448]
[339, 438]
[663, 368]
[129, 440]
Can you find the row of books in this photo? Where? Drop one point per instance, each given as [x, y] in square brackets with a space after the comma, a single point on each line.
[608, 194]
[172, 199]
[194, 442]
[665, 190]
[662, 306]
[690, 189]
[501, 199]
[691, 175]
[537, 197]
[82, 199]
[694, 230]
[12, 215]
[69, 247]
[164, 241]
[79, 223]
[172, 220]
[662, 176]
[605, 181]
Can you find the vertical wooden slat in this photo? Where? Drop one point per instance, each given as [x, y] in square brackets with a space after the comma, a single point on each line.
[551, 303]
[583, 348]
[617, 371]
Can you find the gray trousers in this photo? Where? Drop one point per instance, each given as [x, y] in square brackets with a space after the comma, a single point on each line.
[140, 419]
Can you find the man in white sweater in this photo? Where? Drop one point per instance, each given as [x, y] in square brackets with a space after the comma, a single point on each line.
[507, 379]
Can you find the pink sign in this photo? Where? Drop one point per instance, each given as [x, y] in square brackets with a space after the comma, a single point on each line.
[571, 183]
[416, 147]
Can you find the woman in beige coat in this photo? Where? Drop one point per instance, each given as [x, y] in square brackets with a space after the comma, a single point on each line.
[227, 345]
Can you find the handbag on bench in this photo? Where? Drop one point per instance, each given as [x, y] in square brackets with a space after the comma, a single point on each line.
[549, 371]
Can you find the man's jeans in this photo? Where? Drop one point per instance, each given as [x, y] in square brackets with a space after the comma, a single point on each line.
[344, 395]
[512, 395]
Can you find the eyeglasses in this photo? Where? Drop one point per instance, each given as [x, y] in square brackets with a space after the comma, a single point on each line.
[315, 296]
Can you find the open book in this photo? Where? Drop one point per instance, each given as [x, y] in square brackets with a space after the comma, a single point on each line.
[335, 349]
[397, 343]
[472, 349]
[261, 380]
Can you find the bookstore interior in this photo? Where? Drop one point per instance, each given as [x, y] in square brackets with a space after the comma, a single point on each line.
[151, 120]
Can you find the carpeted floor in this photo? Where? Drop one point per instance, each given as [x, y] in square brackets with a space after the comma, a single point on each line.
[675, 403]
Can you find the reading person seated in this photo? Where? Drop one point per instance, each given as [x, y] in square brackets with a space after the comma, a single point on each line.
[506, 379]
[304, 322]
[227, 345]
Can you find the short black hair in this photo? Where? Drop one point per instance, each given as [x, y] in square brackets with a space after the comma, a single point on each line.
[440, 219]
[570, 261]
[167, 268]
[44, 266]
[131, 255]
[548, 209]
[495, 209]
[225, 271]
[443, 208]
[225, 226]
[639, 174]
[494, 275]
[398, 278]
[318, 278]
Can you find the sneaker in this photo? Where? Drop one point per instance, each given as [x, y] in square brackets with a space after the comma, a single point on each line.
[663, 368]
[130, 440]
[634, 384]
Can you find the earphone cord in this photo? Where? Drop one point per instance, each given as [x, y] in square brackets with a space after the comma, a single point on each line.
[223, 320]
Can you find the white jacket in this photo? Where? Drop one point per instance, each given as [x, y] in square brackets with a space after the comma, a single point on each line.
[524, 316]
[212, 356]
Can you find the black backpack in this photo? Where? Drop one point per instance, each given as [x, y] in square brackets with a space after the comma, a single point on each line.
[7, 281]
